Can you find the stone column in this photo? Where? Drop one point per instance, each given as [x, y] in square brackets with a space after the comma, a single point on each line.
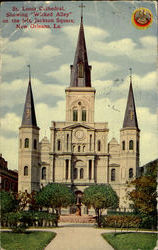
[88, 169]
[69, 171]
[92, 169]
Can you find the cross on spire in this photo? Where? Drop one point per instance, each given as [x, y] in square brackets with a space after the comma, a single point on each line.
[29, 72]
[130, 70]
[82, 6]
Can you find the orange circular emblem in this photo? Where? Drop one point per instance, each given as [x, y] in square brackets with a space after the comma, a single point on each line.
[142, 18]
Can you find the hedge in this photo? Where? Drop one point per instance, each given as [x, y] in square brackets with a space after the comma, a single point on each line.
[19, 221]
[121, 221]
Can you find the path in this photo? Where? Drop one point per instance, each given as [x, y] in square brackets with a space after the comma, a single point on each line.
[78, 237]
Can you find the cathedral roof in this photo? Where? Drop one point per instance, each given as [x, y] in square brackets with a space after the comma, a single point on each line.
[130, 119]
[29, 116]
[113, 141]
[80, 68]
[45, 140]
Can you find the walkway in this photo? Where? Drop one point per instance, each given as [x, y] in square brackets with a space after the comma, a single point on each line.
[78, 237]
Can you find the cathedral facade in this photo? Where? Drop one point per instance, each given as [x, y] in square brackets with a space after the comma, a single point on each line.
[78, 153]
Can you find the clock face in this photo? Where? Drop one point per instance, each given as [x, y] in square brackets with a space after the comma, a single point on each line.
[79, 134]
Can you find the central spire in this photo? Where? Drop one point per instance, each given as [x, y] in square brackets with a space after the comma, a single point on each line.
[80, 70]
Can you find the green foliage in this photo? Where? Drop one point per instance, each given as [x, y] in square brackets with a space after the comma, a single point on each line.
[17, 221]
[28, 240]
[121, 221]
[120, 213]
[144, 195]
[100, 197]
[21, 220]
[131, 241]
[26, 200]
[55, 195]
[8, 202]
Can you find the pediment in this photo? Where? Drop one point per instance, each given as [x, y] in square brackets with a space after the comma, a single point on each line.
[79, 125]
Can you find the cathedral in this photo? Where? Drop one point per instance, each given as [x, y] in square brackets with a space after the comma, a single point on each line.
[78, 152]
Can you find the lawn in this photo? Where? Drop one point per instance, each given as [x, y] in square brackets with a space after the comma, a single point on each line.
[25, 241]
[131, 241]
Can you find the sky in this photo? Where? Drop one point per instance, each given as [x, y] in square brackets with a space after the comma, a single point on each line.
[113, 44]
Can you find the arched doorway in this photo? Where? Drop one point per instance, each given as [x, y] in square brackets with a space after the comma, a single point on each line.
[78, 195]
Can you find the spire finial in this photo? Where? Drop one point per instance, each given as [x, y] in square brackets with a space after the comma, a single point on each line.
[82, 6]
[130, 70]
[29, 72]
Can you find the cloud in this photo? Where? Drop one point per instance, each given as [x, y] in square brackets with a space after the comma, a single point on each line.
[62, 74]
[10, 122]
[9, 149]
[20, 52]
[18, 88]
[100, 69]
[146, 53]
[146, 82]
[12, 63]
[46, 114]
[144, 50]
[92, 33]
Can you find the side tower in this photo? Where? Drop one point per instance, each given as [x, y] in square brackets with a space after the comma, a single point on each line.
[129, 140]
[29, 168]
[80, 95]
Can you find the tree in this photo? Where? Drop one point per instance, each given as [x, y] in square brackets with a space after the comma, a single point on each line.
[8, 202]
[26, 200]
[100, 197]
[55, 195]
[144, 195]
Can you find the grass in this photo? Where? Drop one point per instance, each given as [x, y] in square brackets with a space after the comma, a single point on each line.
[131, 241]
[26, 241]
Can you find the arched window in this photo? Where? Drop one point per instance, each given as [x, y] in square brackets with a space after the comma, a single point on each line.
[131, 173]
[79, 148]
[137, 146]
[26, 143]
[90, 143]
[67, 169]
[99, 145]
[80, 70]
[90, 169]
[81, 173]
[123, 145]
[67, 142]
[75, 173]
[35, 144]
[20, 143]
[25, 170]
[75, 115]
[44, 173]
[83, 115]
[113, 174]
[83, 148]
[131, 145]
[58, 145]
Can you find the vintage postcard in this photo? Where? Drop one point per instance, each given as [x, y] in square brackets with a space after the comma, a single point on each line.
[78, 84]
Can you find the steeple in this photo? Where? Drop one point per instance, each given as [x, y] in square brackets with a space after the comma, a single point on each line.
[29, 116]
[80, 70]
[130, 119]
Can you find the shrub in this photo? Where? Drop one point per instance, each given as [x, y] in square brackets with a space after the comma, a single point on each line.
[20, 221]
[8, 202]
[121, 221]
